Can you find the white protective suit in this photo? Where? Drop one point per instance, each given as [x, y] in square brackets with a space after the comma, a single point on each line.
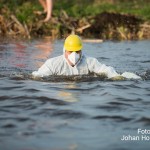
[60, 66]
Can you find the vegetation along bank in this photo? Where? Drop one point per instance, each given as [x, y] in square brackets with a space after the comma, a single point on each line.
[101, 19]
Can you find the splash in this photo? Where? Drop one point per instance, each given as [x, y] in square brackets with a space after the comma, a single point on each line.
[76, 78]
[145, 75]
[90, 77]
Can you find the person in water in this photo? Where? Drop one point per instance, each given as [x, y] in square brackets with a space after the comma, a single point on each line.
[47, 6]
[74, 62]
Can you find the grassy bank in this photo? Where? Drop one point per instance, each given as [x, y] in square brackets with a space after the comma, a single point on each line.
[81, 17]
[83, 8]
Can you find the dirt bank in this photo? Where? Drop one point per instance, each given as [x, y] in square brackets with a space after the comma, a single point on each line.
[102, 26]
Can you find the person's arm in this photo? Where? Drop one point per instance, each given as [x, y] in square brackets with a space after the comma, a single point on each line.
[96, 67]
[43, 71]
[49, 4]
[101, 69]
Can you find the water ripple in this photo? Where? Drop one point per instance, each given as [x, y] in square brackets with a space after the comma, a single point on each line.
[119, 104]
[129, 99]
[9, 125]
[18, 119]
[114, 118]
[37, 112]
[69, 114]
[144, 120]
[51, 100]
[2, 98]
[109, 108]
[11, 88]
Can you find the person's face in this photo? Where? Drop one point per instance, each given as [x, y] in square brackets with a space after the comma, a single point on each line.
[67, 53]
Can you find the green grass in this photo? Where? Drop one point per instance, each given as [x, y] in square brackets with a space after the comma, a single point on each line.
[80, 8]
[25, 12]
[91, 8]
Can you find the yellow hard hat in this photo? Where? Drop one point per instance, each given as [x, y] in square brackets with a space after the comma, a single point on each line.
[73, 43]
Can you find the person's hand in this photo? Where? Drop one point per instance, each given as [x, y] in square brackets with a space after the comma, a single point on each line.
[117, 78]
[130, 75]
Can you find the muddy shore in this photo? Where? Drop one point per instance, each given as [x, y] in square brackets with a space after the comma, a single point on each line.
[112, 26]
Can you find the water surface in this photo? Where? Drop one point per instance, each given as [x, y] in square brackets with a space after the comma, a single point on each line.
[80, 113]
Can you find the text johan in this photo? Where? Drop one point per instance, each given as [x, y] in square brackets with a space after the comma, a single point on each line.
[143, 135]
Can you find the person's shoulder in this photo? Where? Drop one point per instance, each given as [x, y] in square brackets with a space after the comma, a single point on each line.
[91, 61]
[89, 58]
[55, 59]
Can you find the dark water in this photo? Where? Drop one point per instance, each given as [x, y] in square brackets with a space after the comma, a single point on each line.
[75, 114]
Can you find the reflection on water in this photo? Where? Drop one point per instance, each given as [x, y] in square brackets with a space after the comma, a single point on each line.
[68, 96]
[18, 55]
[74, 112]
[45, 48]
